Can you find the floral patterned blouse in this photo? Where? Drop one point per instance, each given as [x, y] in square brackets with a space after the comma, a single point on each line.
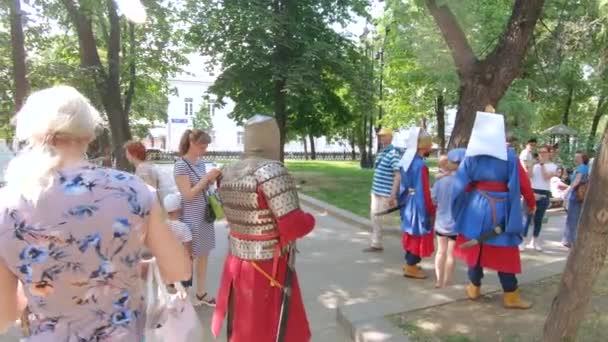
[77, 254]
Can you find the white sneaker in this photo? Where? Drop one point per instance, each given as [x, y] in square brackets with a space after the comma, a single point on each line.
[537, 246]
[522, 247]
[531, 244]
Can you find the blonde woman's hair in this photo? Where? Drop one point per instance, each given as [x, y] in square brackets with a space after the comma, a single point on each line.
[47, 115]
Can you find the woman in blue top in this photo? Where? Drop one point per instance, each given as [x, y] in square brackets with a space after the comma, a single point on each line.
[578, 177]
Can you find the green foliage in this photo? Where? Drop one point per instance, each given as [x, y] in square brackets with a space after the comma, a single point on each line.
[418, 68]
[257, 43]
[568, 54]
[202, 118]
[54, 57]
[140, 130]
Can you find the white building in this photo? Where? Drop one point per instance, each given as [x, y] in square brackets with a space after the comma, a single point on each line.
[191, 88]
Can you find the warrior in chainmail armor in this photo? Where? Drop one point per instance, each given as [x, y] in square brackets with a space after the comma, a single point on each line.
[264, 216]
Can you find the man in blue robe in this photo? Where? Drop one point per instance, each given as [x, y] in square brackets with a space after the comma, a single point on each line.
[418, 212]
[487, 194]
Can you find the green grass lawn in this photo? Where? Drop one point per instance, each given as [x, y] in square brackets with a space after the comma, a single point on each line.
[341, 183]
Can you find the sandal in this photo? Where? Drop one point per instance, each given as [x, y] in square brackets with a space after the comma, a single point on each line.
[204, 300]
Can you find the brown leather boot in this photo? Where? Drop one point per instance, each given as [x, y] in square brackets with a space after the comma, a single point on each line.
[413, 271]
[473, 292]
[512, 300]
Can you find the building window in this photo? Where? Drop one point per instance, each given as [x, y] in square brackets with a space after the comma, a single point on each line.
[188, 106]
[212, 135]
[239, 138]
[212, 107]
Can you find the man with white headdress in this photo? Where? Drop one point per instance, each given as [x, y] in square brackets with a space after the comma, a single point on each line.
[486, 195]
[259, 287]
[418, 211]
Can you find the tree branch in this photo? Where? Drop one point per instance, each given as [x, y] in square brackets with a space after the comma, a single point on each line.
[89, 57]
[514, 42]
[461, 50]
[113, 46]
[131, 88]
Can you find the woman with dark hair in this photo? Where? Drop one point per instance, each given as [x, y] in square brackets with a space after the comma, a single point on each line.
[193, 180]
[559, 189]
[540, 175]
[579, 176]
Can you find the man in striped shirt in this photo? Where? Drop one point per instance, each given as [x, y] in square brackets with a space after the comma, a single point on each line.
[385, 186]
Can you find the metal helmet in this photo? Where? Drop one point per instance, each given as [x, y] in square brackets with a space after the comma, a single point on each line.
[262, 138]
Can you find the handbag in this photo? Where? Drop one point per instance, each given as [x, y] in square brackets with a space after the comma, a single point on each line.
[215, 204]
[581, 191]
[169, 317]
[214, 210]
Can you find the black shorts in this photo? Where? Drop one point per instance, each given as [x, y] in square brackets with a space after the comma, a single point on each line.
[451, 237]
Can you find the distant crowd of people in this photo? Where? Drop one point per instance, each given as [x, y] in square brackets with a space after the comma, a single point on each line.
[552, 181]
[483, 202]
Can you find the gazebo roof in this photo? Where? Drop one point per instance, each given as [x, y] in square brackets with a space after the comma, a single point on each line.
[560, 129]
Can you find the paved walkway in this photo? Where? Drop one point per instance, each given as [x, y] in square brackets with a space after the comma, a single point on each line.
[334, 272]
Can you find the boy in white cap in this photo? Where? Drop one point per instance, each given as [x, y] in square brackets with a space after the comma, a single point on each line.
[172, 204]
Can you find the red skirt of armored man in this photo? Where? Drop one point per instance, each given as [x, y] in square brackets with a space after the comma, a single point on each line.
[420, 245]
[256, 304]
[501, 259]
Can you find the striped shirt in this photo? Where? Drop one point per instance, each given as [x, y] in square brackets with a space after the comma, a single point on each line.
[387, 163]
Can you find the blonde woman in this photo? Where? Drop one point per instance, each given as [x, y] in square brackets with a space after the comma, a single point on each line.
[72, 232]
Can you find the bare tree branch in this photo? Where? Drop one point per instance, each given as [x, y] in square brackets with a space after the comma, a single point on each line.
[89, 57]
[514, 42]
[461, 50]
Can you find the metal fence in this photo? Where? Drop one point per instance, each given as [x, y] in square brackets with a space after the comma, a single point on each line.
[156, 155]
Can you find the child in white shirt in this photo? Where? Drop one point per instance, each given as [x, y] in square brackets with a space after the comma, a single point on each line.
[441, 194]
[173, 207]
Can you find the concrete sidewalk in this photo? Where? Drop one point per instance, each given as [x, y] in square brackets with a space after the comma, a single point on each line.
[347, 292]
[335, 274]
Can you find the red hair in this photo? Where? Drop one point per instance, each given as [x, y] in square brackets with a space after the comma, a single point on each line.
[136, 149]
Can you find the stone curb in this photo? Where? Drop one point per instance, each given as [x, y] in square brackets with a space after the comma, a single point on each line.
[345, 215]
[368, 322]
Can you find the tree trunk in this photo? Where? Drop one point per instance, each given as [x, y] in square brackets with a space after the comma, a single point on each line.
[363, 144]
[18, 54]
[424, 123]
[313, 149]
[353, 152]
[280, 112]
[566, 115]
[107, 83]
[586, 258]
[473, 98]
[599, 112]
[305, 147]
[370, 141]
[484, 82]
[440, 113]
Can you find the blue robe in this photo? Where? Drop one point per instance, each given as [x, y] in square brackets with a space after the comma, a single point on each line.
[416, 215]
[472, 211]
